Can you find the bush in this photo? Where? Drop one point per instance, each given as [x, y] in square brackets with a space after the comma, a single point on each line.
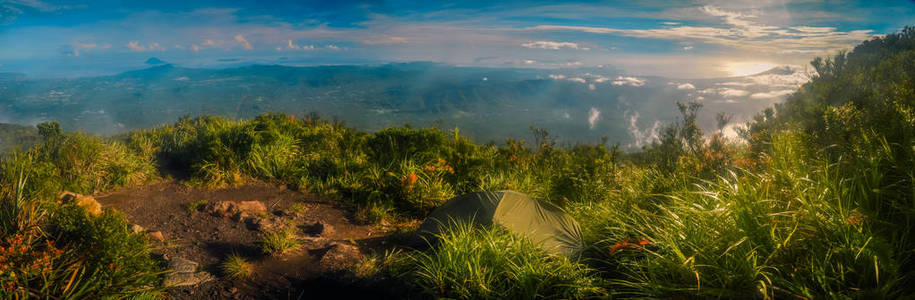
[490, 263]
[236, 267]
[279, 242]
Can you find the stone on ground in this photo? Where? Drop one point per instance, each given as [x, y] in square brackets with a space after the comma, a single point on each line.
[92, 206]
[237, 210]
[184, 272]
[156, 236]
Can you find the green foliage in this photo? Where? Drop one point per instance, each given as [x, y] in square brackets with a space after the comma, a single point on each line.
[474, 263]
[236, 267]
[14, 137]
[279, 242]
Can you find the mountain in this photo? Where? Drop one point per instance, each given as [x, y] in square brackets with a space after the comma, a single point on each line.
[154, 61]
[486, 103]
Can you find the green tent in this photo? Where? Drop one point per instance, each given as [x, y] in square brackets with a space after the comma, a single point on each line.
[543, 223]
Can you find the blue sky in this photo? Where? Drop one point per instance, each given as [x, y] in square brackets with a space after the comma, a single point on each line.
[686, 39]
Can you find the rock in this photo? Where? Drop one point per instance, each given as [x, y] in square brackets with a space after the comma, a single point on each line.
[340, 256]
[182, 265]
[184, 272]
[137, 228]
[320, 228]
[156, 235]
[236, 210]
[266, 224]
[241, 216]
[223, 209]
[92, 206]
[252, 207]
[185, 279]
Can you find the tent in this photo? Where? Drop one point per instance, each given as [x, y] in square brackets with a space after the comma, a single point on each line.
[543, 223]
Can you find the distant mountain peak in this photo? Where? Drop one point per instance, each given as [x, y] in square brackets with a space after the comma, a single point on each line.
[155, 61]
[781, 70]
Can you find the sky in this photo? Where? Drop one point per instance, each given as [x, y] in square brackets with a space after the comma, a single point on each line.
[678, 39]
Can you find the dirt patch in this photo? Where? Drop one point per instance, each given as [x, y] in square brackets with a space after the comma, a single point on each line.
[178, 212]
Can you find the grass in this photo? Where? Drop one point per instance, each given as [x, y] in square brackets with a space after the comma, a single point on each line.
[236, 267]
[196, 206]
[280, 242]
[298, 207]
[490, 263]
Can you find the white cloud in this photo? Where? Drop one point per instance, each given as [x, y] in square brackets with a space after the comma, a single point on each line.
[552, 45]
[625, 80]
[291, 45]
[244, 43]
[557, 76]
[385, 41]
[195, 48]
[742, 31]
[135, 46]
[728, 92]
[591, 86]
[642, 137]
[332, 47]
[686, 86]
[577, 79]
[593, 117]
[687, 48]
[772, 94]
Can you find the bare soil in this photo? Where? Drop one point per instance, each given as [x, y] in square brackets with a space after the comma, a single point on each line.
[208, 239]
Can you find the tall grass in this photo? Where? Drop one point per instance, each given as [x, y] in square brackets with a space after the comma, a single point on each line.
[490, 263]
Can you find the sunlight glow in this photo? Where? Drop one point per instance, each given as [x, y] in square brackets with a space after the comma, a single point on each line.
[747, 68]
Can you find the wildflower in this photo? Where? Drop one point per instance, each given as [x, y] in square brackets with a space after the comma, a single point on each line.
[628, 244]
[292, 117]
[412, 178]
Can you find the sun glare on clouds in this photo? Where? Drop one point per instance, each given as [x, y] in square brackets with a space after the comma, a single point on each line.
[747, 68]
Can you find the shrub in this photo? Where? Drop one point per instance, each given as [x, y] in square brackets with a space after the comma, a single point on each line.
[236, 267]
[490, 263]
[279, 242]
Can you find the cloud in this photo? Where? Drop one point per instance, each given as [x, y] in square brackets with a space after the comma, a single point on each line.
[557, 76]
[210, 42]
[593, 117]
[687, 48]
[135, 46]
[386, 41]
[241, 39]
[772, 94]
[625, 80]
[332, 47]
[577, 79]
[686, 86]
[741, 31]
[642, 137]
[551, 45]
[195, 48]
[728, 92]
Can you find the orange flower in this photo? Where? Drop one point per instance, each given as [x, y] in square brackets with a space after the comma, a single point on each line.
[627, 244]
[292, 117]
[412, 178]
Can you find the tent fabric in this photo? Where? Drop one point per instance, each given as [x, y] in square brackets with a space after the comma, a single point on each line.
[542, 222]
